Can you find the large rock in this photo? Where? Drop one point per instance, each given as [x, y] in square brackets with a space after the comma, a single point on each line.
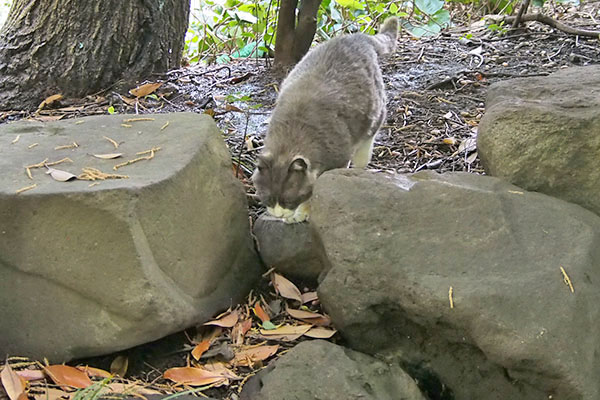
[87, 270]
[289, 248]
[325, 371]
[543, 134]
[397, 244]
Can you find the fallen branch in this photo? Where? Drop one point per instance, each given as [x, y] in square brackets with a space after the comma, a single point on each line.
[544, 19]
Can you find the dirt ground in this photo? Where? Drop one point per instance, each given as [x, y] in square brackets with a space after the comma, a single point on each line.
[436, 91]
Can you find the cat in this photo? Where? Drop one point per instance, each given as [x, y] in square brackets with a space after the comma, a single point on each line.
[329, 109]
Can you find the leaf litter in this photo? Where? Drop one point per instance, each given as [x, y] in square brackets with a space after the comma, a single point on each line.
[223, 353]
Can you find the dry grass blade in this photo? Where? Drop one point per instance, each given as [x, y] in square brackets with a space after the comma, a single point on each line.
[112, 141]
[92, 174]
[108, 156]
[13, 384]
[285, 288]
[26, 188]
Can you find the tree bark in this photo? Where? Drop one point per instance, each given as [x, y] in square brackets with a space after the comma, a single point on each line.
[76, 48]
[294, 36]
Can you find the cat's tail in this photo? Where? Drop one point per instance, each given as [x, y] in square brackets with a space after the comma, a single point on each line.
[385, 41]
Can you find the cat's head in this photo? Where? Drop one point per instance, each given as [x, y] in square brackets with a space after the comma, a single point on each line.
[283, 183]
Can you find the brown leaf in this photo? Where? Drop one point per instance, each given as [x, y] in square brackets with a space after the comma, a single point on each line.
[128, 101]
[239, 331]
[320, 333]
[285, 288]
[231, 107]
[309, 296]
[249, 356]
[65, 375]
[228, 321]
[286, 333]
[220, 368]
[260, 313]
[145, 89]
[108, 156]
[119, 365]
[13, 383]
[301, 314]
[52, 394]
[97, 372]
[129, 388]
[200, 349]
[60, 175]
[193, 376]
[31, 374]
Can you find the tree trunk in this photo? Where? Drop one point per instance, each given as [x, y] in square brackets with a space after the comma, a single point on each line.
[77, 47]
[294, 36]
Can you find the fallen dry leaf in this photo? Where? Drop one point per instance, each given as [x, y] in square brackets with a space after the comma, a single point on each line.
[285, 288]
[193, 376]
[108, 156]
[60, 175]
[97, 372]
[13, 383]
[239, 331]
[309, 296]
[145, 89]
[309, 317]
[260, 313]
[286, 333]
[249, 356]
[52, 394]
[31, 374]
[221, 368]
[320, 333]
[129, 388]
[200, 349]
[65, 375]
[49, 100]
[228, 321]
[119, 365]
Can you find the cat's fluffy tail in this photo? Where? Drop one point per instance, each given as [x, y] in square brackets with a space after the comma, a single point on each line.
[385, 41]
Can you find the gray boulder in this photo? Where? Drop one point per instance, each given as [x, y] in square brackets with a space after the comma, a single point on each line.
[87, 270]
[397, 244]
[325, 371]
[289, 248]
[543, 134]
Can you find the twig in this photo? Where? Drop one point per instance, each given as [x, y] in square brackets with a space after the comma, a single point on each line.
[237, 168]
[522, 9]
[26, 188]
[114, 143]
[544, 19]
[566, 279]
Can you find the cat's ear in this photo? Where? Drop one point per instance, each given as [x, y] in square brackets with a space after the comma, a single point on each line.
[300, 164]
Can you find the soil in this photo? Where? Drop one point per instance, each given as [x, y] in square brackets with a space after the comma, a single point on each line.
[436, 91]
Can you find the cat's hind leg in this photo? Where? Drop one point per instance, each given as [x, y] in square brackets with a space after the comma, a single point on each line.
[362, 155]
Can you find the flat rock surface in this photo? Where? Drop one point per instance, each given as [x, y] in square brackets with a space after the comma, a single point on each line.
[543, 134]
[89, 270]
[323, 370]
[401, 247]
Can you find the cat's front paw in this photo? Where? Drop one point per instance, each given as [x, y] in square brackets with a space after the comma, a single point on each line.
[301, 214]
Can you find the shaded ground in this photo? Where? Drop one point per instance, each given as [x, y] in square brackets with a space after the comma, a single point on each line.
[436, 89]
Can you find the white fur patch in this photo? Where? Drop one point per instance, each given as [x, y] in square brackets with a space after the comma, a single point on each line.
[300, 214]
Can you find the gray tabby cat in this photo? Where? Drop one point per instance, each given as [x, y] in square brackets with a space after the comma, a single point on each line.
[329, 109]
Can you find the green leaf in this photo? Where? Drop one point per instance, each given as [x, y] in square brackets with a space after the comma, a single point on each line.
[429, 7]
[223, 59]
[268, 325]
[111, 110]
[351, 4]
[393, 8]
[442, 18]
